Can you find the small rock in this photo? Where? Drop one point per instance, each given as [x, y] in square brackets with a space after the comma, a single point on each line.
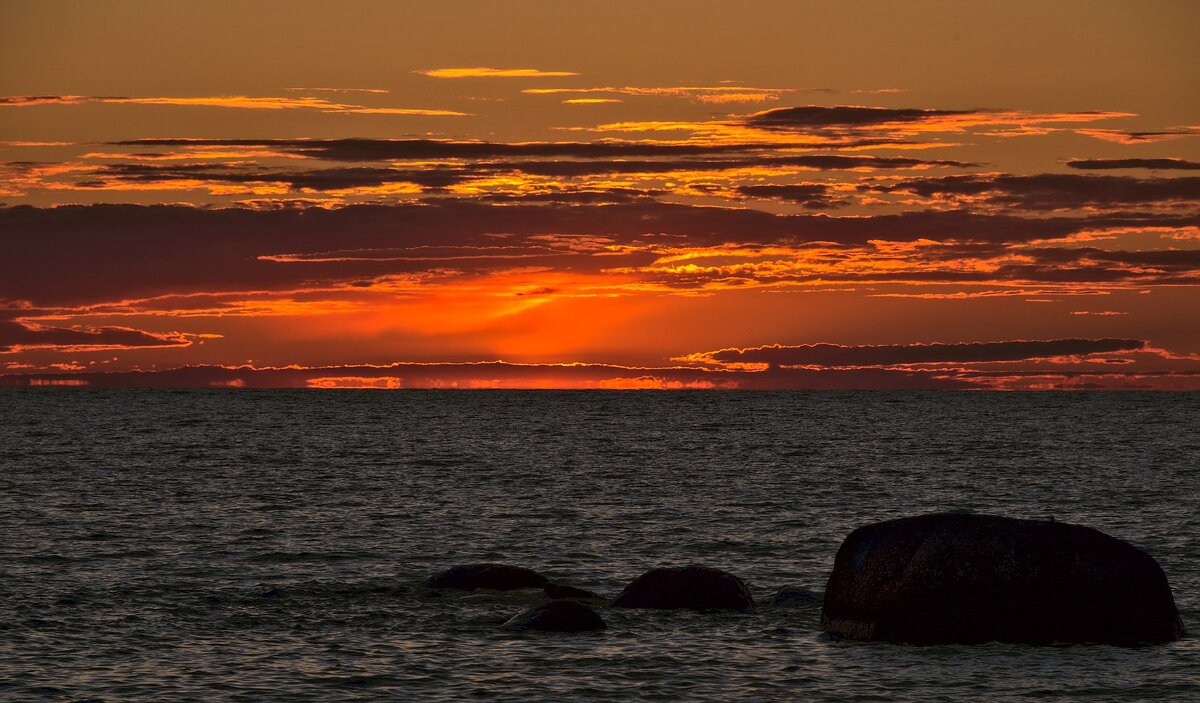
[557, 616]
[795, 597]
[690, 587]
[495, 577]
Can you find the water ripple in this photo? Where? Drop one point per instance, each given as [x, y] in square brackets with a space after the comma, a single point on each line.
[261, 546]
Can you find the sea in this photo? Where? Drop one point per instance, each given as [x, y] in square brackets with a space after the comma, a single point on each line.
[271, 545]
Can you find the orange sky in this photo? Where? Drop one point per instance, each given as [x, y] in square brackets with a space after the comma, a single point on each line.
[632, 195]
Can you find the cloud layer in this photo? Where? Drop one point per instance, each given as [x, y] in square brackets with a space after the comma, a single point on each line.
[870, 246]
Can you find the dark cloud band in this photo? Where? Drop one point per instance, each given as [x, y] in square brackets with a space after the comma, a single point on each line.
[835, 355]
[1107, 164]
[1052, 191]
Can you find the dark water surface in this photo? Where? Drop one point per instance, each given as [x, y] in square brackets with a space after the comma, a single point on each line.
[269, 545]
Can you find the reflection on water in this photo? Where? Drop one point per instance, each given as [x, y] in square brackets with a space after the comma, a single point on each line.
[270, 545]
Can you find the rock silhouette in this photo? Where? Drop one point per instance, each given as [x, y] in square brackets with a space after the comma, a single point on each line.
[959, 578]
[557, 616]
[495, 577]
[795, 597]
[557, 591]
[690, 587]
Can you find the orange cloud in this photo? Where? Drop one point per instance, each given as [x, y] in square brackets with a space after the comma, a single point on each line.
[355, 382]
[590, 101]
[29, 100]
[652, 383]
[849, 126]
[20, 335]
[909, 120]
[484, 72]
[739, 97]
[375, 91]
[703, 94]
[230, 101]
[1124, 137]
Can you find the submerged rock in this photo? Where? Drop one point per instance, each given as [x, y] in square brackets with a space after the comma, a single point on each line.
[958, 578]
[557, 591]
[495, 577]
[795, 597]
[557, 616]
[272, 593]
[691, 587]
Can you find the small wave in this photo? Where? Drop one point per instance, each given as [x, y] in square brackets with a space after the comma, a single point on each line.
[446, 462]
[43, 559]
[83, 558]
[327, 590]
[356, 680]
[98, 537]
[308, 557]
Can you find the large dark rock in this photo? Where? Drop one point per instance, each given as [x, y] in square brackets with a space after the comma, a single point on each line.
[957, 578]
[557, 616]
[692, 587]
[495, 577]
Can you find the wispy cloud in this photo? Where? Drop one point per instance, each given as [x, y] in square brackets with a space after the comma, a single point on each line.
[16, 336]
[30, 100]
[703, 94]
[374, 91]
[854, 117]
[814, 196]
[389, 149]
[856, 127]
[1051, 191]
[485, 72]
[438, 166]
[837, 355]
[1124, 137]
[590, 101]
[229, 101]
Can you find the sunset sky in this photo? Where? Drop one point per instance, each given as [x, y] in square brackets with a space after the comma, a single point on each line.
[600, 195]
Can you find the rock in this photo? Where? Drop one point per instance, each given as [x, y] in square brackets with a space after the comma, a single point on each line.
[557, 591]
[795, 597]
[691, 587]
[557, 616]
[495, 577]
[960, 578]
